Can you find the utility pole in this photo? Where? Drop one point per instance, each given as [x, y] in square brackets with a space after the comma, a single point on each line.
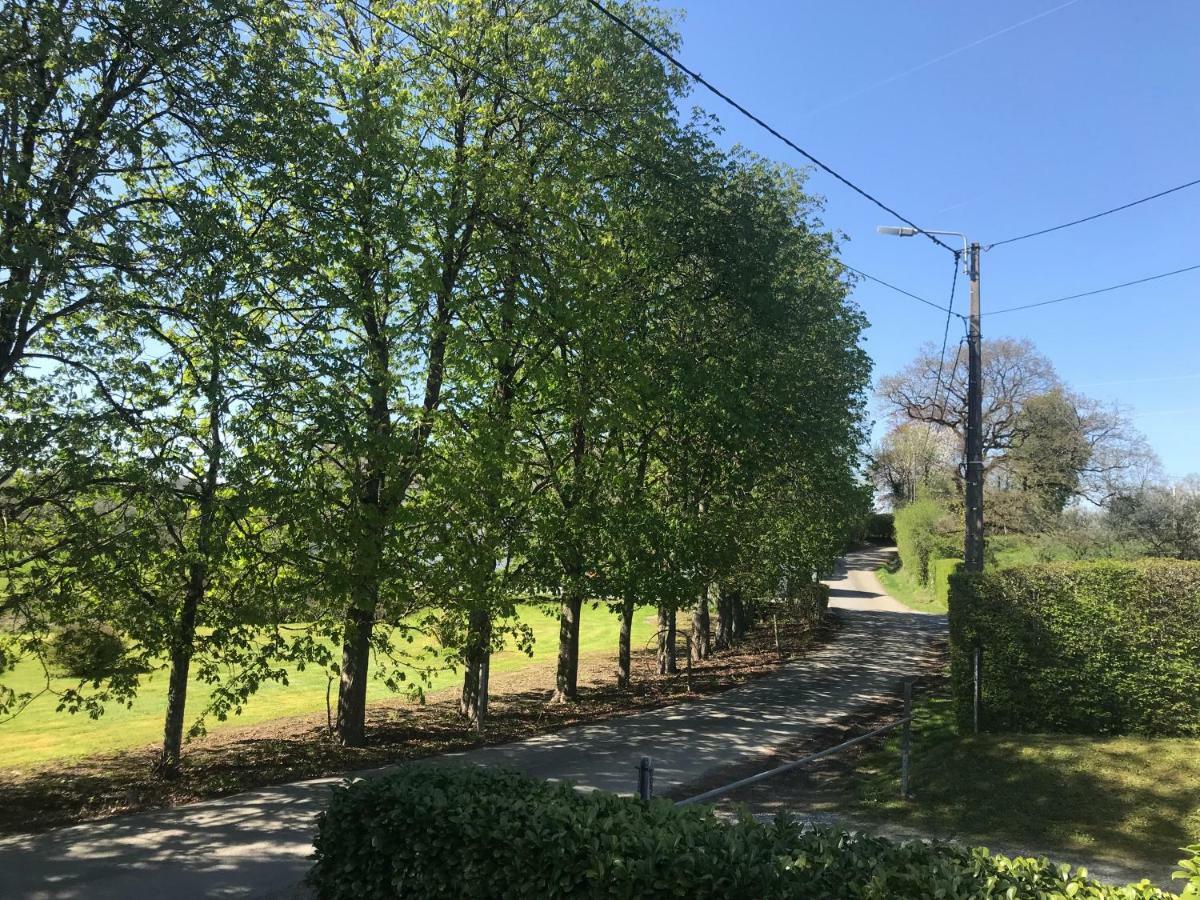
[973, 550]
[973, 544]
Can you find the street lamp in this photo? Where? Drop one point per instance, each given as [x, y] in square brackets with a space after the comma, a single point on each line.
[973, 544]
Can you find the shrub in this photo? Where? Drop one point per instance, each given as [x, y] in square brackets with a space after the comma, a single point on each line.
[806, 603]
[880, 528]
[1087, 647]
[919, 535]
[91, 652]
[438, 831]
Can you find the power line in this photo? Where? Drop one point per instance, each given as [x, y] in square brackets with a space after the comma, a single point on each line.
[1103, 290]
[1099, 215]
[946, 335]
[507, 88]
[701, 80]
[898, 290]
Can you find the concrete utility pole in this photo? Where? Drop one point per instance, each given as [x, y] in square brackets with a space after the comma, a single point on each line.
[973, 543]
[973, 549]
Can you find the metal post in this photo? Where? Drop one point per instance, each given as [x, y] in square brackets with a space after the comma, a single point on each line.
[973, 548]
[977, 698]
[906, 739]
[646, 778]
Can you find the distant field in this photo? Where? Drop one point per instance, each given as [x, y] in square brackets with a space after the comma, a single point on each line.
[40, 734]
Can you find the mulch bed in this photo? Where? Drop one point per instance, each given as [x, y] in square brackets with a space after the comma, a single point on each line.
[284, 750]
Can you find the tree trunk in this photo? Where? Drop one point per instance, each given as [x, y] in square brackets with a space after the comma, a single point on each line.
[666, 642]
[700, 645]
[724, 639]
[352, 689]
[479, 637]
[739, 624]
[181, 661]
[197, 580]
[624, 675]
[567, 679]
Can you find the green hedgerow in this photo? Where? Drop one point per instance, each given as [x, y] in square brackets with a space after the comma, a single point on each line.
[1087, 648]
[432, 831]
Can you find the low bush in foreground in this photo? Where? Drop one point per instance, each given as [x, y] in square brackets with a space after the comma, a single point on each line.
[434, 832]
[1087, 648]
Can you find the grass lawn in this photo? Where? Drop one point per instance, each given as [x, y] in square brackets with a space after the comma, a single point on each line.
[40, 734]
[898, 582]
[1121, 799]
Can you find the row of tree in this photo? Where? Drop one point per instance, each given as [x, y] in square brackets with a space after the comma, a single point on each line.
[329, 326]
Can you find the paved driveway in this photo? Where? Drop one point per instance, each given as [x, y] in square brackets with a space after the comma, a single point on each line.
[256, 844]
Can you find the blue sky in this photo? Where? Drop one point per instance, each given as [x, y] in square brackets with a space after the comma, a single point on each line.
[1092, 104]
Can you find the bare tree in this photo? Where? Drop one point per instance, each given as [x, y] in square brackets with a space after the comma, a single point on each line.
[1037, 434]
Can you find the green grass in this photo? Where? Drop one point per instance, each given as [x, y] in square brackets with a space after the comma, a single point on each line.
[1120, 799]
[39, 734]
[904, 587]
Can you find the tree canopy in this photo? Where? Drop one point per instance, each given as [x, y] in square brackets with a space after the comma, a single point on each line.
[330, 328]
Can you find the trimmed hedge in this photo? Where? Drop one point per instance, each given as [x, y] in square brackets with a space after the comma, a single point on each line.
[446, 832]
[1088, 647]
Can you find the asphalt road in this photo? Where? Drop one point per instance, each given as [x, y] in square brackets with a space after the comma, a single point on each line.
[257, 844]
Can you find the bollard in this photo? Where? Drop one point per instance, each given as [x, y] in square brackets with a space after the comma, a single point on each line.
[646, 778]
[906, 738]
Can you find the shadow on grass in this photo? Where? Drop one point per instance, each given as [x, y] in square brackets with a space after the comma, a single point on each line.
[1120, 799]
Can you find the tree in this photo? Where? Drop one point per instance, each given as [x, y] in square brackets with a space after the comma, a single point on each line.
[1040, 439]
[914, 456]
[1163, 518]
[1013, 371]
[97, 98]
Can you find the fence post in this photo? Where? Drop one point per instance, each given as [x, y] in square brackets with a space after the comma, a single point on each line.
[906, 738]
[977, 693]
[646, 778]
[481, 704]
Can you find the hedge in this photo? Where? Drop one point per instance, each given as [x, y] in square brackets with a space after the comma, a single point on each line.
[446, 832]
[919, 537]
[1087, 647]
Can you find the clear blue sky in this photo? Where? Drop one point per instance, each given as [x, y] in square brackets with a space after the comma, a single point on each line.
[1089, 106]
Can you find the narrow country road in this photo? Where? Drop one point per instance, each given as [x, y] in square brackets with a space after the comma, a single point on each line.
[256, 844]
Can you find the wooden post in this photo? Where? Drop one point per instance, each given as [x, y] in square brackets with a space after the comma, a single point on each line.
[977, 698]
[689, 665]
[906, 739]
[646, 778]
[481, 704]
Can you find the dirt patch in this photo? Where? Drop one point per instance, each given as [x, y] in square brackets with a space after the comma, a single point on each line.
[296, 748]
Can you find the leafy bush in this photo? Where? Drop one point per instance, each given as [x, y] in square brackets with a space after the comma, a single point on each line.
[919, 535]
[1087, 648]
[806, 603]
[91, 652]
[433, 831]
[880, 528]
